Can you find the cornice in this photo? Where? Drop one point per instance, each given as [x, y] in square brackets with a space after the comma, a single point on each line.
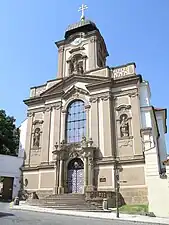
[49, 166]
[34, 101]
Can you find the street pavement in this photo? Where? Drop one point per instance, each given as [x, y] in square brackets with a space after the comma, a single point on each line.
[11, 217]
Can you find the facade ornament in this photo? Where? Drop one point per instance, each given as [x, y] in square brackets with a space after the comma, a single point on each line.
[87, 106]
[133, 95]
[36, 138]
[30, 114]
[61, 49]
[125, 143]
[93, 39]
[123, 107]
[48, 109]
[38, 122]
[106, 97]
[56, 146]
[124, 126]
[76, 65]
[90, 142]
[84, 142]
[93, 100]
[58, 106]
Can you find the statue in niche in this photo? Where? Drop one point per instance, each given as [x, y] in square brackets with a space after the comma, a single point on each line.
[76, 66]
[124, 126]
[36, 138]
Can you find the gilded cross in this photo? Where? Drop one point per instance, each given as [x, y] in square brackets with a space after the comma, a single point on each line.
[82, 9]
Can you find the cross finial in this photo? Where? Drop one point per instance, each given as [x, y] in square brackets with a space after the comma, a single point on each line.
[82, 9]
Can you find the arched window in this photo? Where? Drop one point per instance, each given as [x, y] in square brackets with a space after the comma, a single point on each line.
[75, 122]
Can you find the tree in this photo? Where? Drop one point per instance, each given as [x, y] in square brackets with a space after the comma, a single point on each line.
[9, 135]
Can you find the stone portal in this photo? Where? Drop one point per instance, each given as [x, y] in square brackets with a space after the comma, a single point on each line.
[76, 176]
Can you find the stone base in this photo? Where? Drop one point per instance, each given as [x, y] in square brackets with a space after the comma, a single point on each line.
[89, 188]
[60, 190]
[133, 196]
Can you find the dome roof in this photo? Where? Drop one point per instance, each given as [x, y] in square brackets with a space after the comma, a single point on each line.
[81, 26]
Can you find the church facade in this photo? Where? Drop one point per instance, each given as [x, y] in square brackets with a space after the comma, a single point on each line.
[80, 123]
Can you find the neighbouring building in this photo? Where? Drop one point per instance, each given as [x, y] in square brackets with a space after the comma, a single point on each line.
[10, 169]
[90, 115]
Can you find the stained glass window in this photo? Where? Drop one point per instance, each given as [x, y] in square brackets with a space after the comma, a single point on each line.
[76, 122]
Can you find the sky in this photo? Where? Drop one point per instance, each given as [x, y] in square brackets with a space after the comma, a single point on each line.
[134, 31]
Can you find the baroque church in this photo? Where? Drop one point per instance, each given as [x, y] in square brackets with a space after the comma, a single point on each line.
[86, 119]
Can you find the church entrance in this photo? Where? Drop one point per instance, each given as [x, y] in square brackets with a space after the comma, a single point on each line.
[76, 176]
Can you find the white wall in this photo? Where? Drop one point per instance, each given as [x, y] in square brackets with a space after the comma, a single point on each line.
[22, 129]
[10, 167]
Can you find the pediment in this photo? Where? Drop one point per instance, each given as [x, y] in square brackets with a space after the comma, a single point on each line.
[75, 92]
[69, 81]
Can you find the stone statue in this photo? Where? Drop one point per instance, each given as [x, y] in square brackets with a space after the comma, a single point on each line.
[36, 138]
[124, 126]
[84, 142]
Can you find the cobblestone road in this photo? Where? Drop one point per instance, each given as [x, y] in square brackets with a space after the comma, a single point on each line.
[12, 217]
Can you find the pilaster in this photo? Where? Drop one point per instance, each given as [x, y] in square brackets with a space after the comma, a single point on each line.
[136, 123]
[28, 138]
[46, 136]
[107, 125]
[57, 123]
[92, 53]
[60, 61]
[94, 126]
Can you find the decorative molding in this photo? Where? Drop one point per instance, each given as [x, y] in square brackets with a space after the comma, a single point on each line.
[64, 111]
[106, 97]
[125, 143]
[30, 114]
[94, 99]
[57, 107]
[93, 39]
[123, 107]
[133, 95]
[76, 49]
[38, 122]
[61, 49]
[48, 109]
[87, 106]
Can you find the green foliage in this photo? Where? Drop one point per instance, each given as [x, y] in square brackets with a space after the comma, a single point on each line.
[134, 209]
[9, 135]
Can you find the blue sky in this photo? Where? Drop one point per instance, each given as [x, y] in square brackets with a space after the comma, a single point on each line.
[134, 31]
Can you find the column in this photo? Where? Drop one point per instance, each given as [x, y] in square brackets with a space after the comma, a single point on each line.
[57, 124]
[85, 173]
[63, 125]
[46, 136]
[136, 123]
[90, 173]
[94, 121]
[56, 185]
[87, 108]
[28, 139]
[92, 54]
[61, 173]
[60, 61]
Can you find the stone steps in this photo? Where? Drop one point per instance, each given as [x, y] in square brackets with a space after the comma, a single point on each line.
[65, 202]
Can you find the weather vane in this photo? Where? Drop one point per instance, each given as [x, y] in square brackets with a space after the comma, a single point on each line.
[82, 9]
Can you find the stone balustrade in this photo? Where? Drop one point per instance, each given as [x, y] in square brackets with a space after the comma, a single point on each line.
[123, 71]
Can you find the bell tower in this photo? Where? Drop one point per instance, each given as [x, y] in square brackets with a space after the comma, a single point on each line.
[82, 50]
